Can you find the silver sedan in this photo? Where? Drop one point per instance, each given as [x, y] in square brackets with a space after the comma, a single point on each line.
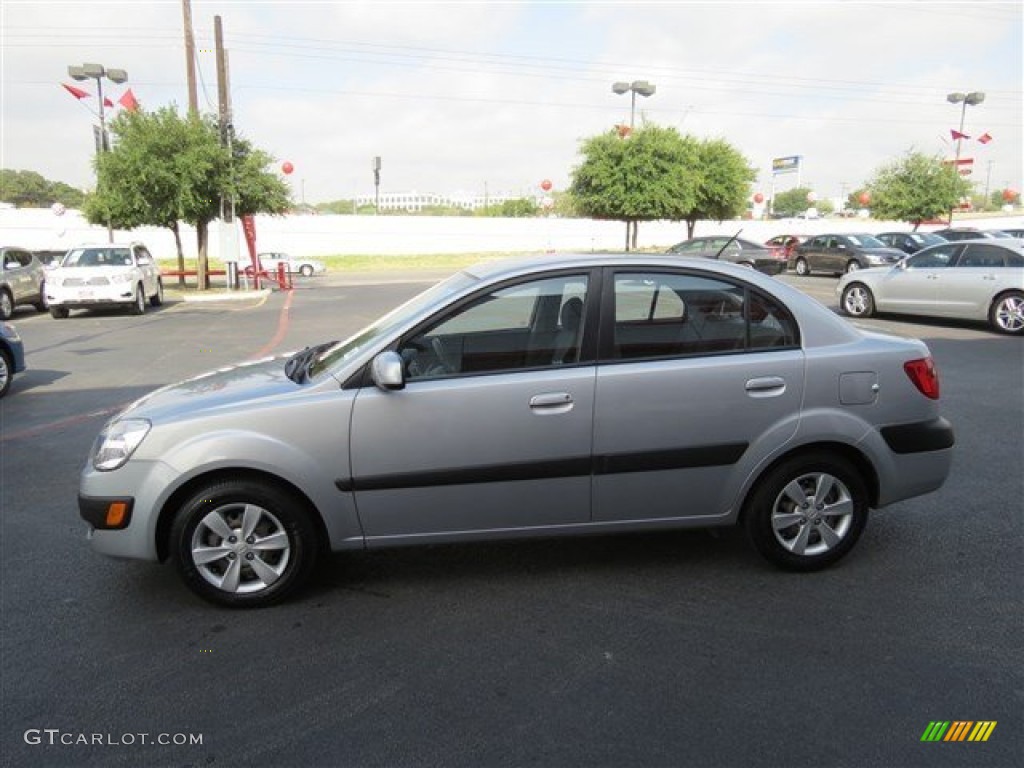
[968, 280]
[553, 396]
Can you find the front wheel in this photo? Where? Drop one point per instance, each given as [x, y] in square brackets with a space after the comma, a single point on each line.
[802, 267]
[243, 543]
[852, 266]
[59, 313]
[306, 270]
[139, 305]
[1007, 313]
[157, 299]
[857, 300]
[807, 512]
[6, 371]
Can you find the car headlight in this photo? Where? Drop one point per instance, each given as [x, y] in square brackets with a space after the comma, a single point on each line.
[117, 442]
[121, 277]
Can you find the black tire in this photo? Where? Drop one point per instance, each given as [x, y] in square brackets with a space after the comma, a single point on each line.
[852, 266]
[801, 267]
[6, 371]
[42, 305]
[6, 304]
[804, 536]
[1006, 315]
[857, 301]
[139, 305]
[59, 313]
[206, 519]
[157, 299]
[306, 271]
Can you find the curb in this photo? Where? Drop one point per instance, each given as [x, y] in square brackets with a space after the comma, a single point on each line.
[208, 296]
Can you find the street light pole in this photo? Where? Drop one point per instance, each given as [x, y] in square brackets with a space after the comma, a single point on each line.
[645, 89]
[966, 99]
[97, 72]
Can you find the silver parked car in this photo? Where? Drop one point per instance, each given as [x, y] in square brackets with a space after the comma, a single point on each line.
[551, 396]
[969, 280]
[22, 281]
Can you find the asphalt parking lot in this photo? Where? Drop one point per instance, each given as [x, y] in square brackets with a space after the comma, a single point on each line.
[641, 650]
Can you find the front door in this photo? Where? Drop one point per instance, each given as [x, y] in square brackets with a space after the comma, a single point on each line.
[492, 431]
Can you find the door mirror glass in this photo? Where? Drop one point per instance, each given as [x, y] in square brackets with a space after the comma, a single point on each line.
[386, 371]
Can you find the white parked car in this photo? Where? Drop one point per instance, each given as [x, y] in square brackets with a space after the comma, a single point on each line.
[92, 276]
[303, 266]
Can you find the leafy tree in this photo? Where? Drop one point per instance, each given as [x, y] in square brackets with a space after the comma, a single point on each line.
[791, 202]
[915, 188]
[650, 175]
[165, 169]
[723, 183]
[825, 207]
[28, 189]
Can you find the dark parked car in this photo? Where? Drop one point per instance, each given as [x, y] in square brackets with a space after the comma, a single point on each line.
[911, 242]
[21, 281]
[970, 233]
[1014, 232]
[746, 253]
[842, 253]
[12, 356]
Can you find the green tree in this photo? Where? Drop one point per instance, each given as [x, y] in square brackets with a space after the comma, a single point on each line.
[791, 202]
[28, 189]
[164, 169]
[723, 183]
[916, 187]
[648, 176]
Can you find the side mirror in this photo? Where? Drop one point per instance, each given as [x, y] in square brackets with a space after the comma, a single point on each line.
[386, 371]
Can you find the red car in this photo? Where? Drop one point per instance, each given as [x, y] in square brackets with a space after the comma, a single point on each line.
[785, 244]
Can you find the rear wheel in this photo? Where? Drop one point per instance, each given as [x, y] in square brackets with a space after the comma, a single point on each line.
[852, 266]
[857, 300]
[802, 267]
[306, 270]
[243, 543]
[807, 512]
[1007, 313]
[6, 304]
[59, 313]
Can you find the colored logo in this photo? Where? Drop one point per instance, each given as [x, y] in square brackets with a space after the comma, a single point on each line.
[958, 730]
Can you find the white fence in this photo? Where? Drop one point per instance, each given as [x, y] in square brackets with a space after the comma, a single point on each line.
[305, 235]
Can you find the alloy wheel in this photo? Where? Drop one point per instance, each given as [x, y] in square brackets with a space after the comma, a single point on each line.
[812, 514]
[240, 548]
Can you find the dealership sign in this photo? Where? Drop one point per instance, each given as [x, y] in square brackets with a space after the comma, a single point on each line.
[786, 164]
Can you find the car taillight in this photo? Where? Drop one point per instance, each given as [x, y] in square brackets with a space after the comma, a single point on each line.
[925, 376]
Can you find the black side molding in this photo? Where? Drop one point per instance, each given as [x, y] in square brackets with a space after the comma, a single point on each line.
[919, 437]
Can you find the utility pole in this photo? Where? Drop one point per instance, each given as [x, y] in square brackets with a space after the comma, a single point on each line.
[190, 59]
[224, 121]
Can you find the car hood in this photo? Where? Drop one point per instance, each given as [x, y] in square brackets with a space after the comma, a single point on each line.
[113, 269]
[228, 387]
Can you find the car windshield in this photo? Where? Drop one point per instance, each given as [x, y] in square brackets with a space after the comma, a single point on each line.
[866, 241]
[927, 238]
[98, 257]
[353, 345]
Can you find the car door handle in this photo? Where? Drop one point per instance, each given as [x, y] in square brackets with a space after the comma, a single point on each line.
[552, 402]
[766, 386]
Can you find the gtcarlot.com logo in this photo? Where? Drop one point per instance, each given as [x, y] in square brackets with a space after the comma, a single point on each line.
[958, 730]
[55, 736]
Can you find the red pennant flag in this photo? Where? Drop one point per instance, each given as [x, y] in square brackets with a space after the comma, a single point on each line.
[78, 93]
[984, 138]
[107, 102]
[957, 135]
[128, 101]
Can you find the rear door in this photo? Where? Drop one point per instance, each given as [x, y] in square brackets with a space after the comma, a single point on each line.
[966, 289]
[693, 372]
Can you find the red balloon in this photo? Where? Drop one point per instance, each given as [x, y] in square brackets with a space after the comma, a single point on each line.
[864, 198]
[545, 185]
[758, 198]
[287, 168]
[1009, 195]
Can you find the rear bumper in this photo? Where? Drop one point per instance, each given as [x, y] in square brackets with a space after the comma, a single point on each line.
[922, 436]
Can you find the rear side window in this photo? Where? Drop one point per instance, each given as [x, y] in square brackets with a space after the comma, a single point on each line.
[981, 256]
[670, 315]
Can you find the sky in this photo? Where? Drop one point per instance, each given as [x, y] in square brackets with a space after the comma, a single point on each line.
[495, 97]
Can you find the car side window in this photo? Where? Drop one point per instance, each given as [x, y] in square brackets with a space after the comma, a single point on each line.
[143, 256]
[934, 258]
[818, 242]
[981, 256]
[530, 325]
[671, 315]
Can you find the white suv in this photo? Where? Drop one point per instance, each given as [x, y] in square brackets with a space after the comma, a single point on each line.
[92, 276]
